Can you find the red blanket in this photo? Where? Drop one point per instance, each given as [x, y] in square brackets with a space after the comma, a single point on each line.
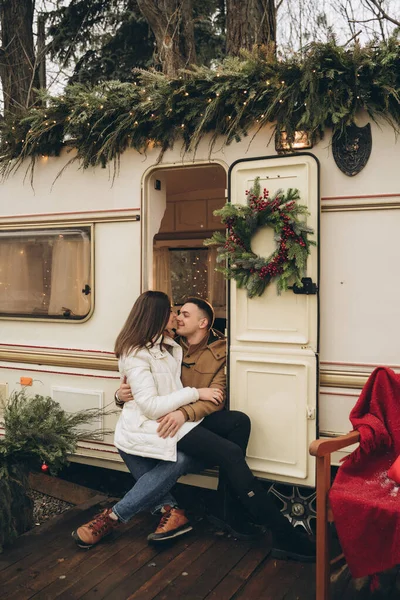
[364, 501]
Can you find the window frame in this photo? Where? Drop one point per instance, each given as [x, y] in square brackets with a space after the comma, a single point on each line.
[56, 226]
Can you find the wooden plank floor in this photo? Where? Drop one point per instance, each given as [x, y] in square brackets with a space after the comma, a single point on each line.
[46, 564]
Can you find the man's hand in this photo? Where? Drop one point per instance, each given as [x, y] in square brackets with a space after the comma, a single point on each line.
[211, 394]
[124, 392]
[170, 423]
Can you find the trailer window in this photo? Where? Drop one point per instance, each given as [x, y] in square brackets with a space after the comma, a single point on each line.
[45, 273]
[183, 272]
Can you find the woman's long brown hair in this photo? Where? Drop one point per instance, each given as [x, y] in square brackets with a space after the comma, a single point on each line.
[146, 322]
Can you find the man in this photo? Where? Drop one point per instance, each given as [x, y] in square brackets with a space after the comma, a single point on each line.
[203, 365]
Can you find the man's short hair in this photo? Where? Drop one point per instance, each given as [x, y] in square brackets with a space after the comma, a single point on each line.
[204, 306]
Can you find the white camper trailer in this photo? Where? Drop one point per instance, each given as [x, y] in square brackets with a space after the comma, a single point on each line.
[76, 251]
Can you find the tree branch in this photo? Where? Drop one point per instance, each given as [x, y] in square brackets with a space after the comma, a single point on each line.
[352, 38]
[365, 20]
[384, 14]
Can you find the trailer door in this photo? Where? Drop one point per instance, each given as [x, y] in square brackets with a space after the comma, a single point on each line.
[273, 341]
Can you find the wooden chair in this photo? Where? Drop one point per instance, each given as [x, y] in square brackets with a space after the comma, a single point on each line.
[322, 450]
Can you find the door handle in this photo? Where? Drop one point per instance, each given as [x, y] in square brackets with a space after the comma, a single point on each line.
[309, 287]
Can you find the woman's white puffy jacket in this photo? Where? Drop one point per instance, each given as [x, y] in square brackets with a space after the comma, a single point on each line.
[154, 375]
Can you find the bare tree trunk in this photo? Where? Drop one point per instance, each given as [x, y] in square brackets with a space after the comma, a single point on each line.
[17, 56]
[249, 22]
[41, 50]
[172, 25]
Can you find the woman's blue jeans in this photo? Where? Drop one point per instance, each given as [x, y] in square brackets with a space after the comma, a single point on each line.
[154, 480]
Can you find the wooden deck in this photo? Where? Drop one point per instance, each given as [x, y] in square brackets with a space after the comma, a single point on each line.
[45, 564]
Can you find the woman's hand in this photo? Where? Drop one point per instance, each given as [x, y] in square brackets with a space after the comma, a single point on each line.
[124, 392]
[170, 424]
[211, 394]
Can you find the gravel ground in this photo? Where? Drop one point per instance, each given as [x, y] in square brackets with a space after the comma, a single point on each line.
[45, 507]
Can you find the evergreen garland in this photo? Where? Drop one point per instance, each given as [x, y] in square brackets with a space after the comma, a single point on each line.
[326, 89]
[287, 264]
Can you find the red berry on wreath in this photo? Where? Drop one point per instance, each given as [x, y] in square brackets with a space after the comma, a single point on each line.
[44, 468]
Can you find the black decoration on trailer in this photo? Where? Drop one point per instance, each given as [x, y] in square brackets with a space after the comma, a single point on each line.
[352, 148]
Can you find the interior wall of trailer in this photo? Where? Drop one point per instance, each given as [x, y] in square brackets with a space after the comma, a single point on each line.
[182, 265]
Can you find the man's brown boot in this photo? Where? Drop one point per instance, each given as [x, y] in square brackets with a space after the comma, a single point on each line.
[95, 530]
[173, 524]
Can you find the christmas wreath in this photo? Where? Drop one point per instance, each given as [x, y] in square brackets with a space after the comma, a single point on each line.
[287, 263]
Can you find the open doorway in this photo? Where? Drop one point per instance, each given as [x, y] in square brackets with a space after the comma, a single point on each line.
[180, 206]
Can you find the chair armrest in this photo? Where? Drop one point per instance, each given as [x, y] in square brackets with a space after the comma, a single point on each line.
[324, 447]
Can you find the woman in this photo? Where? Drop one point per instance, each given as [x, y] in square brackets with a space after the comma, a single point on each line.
[151, 363]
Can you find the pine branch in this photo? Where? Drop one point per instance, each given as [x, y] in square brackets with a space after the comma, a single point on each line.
[37, 429]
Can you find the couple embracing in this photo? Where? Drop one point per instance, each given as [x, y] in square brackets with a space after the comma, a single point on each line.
[174, 422]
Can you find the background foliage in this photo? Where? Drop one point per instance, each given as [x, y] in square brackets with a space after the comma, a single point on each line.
[98, 41]
[36, 430]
